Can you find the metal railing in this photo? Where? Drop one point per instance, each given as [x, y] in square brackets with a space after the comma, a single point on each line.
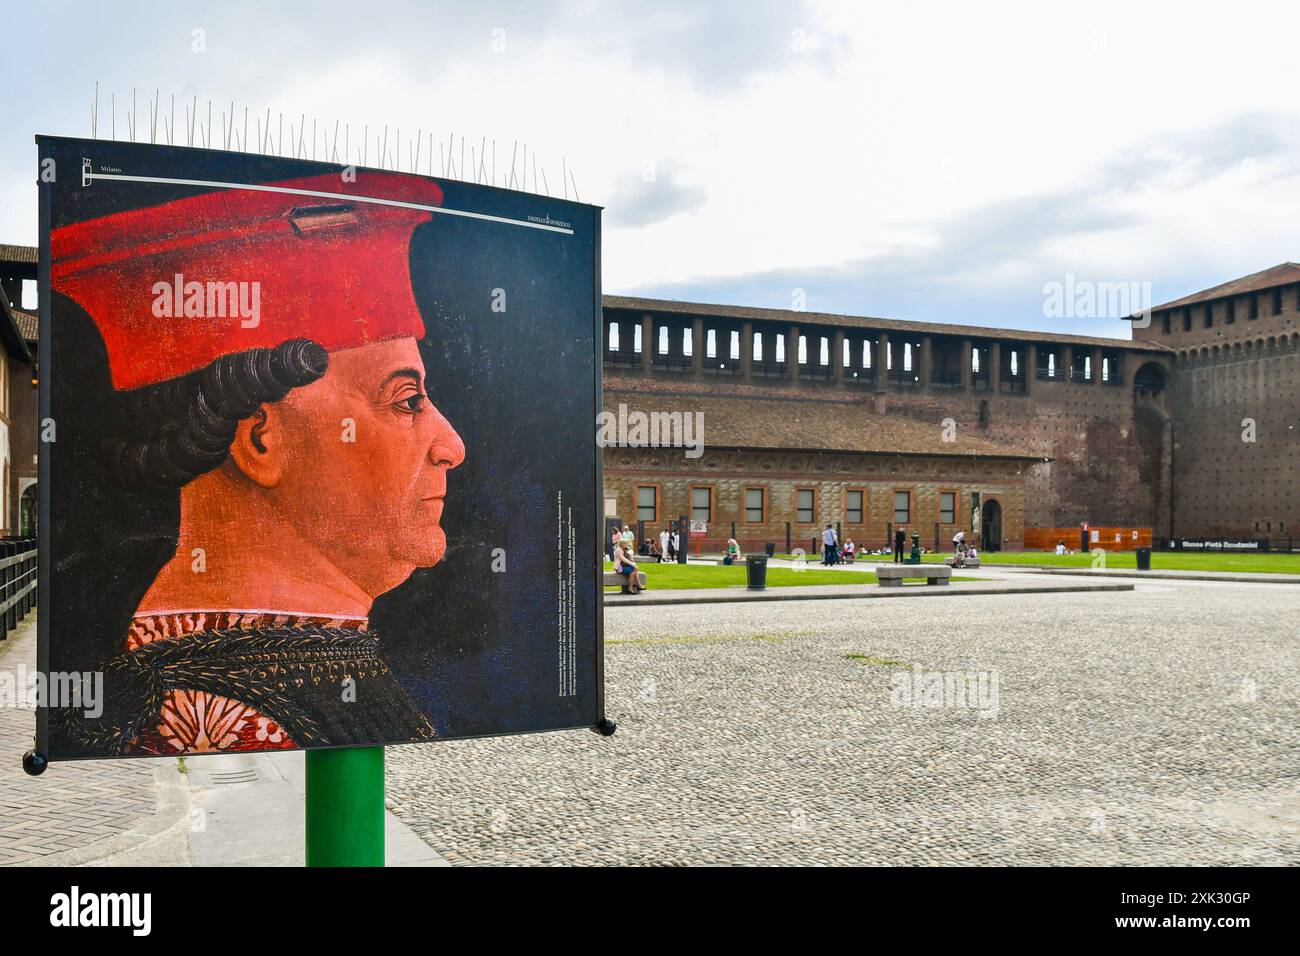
[18, 574]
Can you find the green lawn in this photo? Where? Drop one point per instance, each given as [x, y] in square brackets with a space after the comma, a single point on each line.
[1160, 561]
[1119, 560]
[677, 576]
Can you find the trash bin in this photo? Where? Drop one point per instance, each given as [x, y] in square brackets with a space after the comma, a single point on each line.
[1144, 559]
[770, 548]
[756, 571]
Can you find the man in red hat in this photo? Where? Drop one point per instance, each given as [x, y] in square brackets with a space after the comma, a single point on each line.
[268, 340]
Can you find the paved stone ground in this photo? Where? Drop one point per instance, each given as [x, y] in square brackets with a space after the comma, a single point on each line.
[68, 808]
[1156, 726]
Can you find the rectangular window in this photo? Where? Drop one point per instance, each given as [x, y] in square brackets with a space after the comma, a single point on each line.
[1187, 320]
[803, 350]
[1232, 311]
[733, 352]
[805, 500]
[1277, 301]
[780, 348]
[758, 347]
[902, 507]
[711, 343]
[701, 504]
[1209, 315]
[636, 338]
[1254, 306]
[754, 505]
[663, 340]
[853, 506]
[646, 502]
[613, 336]
[688, 342]
[947, 507]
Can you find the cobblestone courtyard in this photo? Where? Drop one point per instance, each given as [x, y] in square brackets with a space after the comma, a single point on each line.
[1156, 726]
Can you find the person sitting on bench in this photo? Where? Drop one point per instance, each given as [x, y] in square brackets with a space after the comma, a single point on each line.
[733, 552]
[625, 564]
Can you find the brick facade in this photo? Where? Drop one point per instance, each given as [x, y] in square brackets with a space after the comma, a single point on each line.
[1236, 377]
[728, 473]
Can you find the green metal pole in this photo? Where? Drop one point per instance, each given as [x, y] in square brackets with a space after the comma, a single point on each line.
[345, 807]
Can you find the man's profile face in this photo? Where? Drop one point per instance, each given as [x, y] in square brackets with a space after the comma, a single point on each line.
[365, 464]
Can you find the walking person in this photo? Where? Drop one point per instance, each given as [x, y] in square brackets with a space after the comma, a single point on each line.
[828, 546]
[900, 539]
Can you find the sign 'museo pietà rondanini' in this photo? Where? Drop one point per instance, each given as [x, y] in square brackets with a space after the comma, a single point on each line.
[319, 468]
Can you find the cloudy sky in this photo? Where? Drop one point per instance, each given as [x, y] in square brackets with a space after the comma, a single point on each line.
[924, 161]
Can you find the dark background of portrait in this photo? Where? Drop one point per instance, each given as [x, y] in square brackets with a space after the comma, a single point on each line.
[477, 649]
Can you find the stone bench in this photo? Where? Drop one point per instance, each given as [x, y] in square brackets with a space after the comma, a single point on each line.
[892, 575]
[615, 580]
[968, 563]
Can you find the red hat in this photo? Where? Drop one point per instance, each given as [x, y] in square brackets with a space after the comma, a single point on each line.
[171, 287]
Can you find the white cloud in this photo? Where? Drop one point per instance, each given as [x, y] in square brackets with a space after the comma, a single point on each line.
[795, 142]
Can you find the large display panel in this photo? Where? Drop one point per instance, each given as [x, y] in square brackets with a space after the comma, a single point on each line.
[318, 464]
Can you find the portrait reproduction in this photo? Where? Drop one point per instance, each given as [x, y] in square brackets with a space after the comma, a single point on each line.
[288, 508]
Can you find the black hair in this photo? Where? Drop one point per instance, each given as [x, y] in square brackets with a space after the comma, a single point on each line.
[188, 423]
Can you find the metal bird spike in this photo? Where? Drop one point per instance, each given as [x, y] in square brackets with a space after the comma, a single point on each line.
[261, 138]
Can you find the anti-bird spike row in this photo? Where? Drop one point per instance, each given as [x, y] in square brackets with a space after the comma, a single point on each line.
[476, 167]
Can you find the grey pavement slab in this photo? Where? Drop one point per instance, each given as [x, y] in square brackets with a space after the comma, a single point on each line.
[248, 811]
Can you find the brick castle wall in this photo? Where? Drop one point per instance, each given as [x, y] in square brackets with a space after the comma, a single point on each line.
[780, 474]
